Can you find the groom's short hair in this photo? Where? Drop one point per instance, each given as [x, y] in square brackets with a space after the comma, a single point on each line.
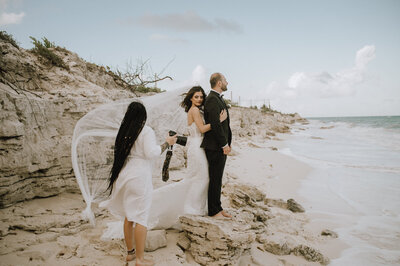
[215, 78]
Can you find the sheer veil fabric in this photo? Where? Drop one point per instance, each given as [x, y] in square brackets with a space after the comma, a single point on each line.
[92, 157]
[94, 136]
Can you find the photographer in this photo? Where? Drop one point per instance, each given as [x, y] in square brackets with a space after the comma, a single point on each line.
[130, 182]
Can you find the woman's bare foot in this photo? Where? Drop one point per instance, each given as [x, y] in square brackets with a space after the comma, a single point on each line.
[131, 255]
[225, 214]
[144, 262]
[218, 216]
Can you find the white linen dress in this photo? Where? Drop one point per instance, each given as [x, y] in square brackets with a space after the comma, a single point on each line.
[131, 196]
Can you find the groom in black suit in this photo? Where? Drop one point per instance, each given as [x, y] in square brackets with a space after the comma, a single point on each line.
[216, 143]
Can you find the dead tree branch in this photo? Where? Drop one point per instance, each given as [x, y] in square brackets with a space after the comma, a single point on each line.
[140, 75]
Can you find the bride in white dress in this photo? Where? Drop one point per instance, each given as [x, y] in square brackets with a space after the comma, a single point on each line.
[188, 196]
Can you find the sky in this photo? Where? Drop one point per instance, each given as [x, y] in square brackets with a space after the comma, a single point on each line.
[317, 58]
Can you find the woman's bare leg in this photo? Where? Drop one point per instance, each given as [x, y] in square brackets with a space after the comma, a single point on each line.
[140, 240]
[128, 234]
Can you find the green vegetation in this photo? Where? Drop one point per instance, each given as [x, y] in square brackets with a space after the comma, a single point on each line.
[43, 49]
[47, 43]
[8, 38]
[267, 109]
[144, 89]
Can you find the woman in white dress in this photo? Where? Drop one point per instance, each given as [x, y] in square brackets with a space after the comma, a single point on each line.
[188, 196]
[197, 161]
[130, 181]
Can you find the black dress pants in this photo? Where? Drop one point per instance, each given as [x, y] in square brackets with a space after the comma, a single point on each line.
[216, 164]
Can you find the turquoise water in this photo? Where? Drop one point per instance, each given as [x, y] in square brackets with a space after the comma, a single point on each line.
[355, 182]
[388, 122]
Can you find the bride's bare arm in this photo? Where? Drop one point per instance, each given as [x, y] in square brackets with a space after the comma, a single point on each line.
[195, 112]
[199, 121]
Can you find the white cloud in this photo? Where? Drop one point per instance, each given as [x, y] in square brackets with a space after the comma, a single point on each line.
[199, 76]
[323, 93]
[162, 37]
[11, 18]
[364, 55]
[323, 84]
[188, 21]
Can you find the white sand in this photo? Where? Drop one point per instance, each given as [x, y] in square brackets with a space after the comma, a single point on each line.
[70, 241]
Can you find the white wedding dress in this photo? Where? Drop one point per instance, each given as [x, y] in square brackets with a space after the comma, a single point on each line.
[189, 196]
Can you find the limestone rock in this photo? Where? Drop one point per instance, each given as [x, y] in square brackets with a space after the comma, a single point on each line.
[276, 202]
[155, 239]
[3, 228]
[255, 219]
[250, 122]
[183, 241]
[278, 244]
[330, 233]
[281, 244]
[39, 109]
[294, 206]
[216, 242]
[310, 254]
[243, 195]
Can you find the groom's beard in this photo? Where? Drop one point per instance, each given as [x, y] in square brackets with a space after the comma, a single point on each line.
[224, 88]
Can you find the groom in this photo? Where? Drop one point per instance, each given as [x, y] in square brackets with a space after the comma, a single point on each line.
[216, 143]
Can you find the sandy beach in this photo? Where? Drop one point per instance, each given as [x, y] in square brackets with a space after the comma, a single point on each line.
[50, 231]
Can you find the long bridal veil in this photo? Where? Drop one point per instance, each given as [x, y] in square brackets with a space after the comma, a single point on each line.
[94, 137]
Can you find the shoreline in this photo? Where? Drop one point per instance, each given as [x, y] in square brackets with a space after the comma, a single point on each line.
[283, 181]
[255, 161]
[354, 180]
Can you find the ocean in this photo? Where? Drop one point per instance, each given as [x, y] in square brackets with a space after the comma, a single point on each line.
[355, 183]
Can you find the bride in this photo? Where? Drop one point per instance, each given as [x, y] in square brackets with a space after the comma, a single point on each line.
[188, 196]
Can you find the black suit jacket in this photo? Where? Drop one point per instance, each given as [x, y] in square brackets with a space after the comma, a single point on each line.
[220, 133]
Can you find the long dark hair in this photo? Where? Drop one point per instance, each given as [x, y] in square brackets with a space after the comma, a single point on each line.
[186, 103]
[131, 126]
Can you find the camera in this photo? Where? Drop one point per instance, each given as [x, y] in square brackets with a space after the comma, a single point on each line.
[181, 140]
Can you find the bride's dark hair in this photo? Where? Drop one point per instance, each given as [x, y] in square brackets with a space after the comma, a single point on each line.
[186, 103]
[131, 126]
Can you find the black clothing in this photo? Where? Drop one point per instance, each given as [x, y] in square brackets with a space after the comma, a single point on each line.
[214, 140]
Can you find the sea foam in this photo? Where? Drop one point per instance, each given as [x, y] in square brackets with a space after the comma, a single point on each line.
[356, 181]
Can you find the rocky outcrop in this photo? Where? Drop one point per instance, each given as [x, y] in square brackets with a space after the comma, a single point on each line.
[40, 106]
[290, 204]
[330, 233]
[155, 239]
[215, 242]
[251, 122]
[283, 244]
[275, 228]
[23, 227]
[294, 206]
